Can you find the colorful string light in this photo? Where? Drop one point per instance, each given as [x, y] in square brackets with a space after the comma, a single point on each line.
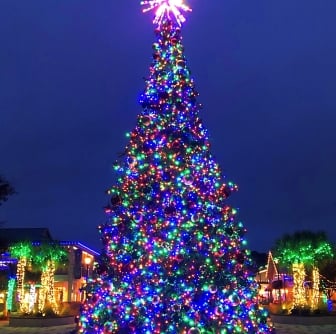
[174, 253]
[10, 294]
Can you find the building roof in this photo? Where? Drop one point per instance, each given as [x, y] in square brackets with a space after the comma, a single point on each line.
[12, 235]
[272, 270]
[9, 236]
[80, 246]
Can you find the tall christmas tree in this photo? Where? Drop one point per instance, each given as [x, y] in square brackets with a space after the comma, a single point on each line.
[174, 254]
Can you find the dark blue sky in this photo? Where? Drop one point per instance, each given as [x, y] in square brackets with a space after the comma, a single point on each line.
[70, 75]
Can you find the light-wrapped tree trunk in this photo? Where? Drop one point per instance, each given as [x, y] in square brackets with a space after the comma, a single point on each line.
[20, 274]
[299, 292]
[315, 289]
[47, 291]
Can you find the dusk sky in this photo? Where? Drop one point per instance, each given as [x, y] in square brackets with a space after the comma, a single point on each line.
[71, 72]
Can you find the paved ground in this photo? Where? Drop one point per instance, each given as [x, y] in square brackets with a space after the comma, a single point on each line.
[280, 329]
[302, 329]
[5, 329]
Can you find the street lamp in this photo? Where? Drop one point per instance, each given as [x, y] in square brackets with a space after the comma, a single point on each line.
[87, 261]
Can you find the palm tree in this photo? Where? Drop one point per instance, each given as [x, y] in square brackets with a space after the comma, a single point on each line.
[48, 256]
[23, 252]
[304, 250]
[6, 190]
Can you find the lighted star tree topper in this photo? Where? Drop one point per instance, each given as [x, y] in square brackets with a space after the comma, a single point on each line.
[166, 9]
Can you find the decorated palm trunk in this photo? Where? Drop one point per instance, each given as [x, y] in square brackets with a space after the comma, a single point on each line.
[175, 259]
[20, 276]
[315, 288]
[10, 294]
[47, 290]
[299, 291]
[42, 293]
[22, 252]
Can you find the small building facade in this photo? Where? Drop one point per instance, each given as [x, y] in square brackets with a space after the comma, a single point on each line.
[70, 277]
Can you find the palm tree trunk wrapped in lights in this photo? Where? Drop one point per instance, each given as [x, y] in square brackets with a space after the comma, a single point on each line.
[49, 256]
[47, 291]
[23, 252]
[299, 292]
[10, 294]
[42, 294]
[315, 289]
[20, 274]
[31, 299]
[51, 285]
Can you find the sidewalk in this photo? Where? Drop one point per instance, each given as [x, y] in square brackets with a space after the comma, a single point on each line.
[280, 329]
[303, 329]
[5, 329]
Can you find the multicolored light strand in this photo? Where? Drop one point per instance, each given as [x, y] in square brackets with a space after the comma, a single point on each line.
[10, 294]
[174, 253]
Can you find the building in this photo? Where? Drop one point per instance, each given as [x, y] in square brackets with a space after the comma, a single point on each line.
[73, 275]
[274, 287]
[70, 277]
